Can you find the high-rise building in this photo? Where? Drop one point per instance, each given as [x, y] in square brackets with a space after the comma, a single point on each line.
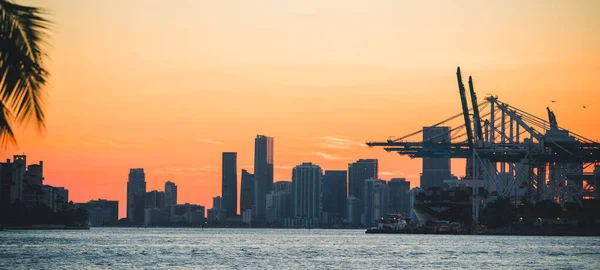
[306, 191]
[333, 192]
[399, 195]
[279, 201]
[263, 173]
[435, 170]
[155, 199]
[283, 186]
[12, 180]
[354, 211]
[358, 172]
[217, 214]
[170, 194]
[136, 196]
[375, 201]
[247, 191]
[229, 183]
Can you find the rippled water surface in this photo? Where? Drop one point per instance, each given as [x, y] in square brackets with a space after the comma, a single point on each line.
[287, 249]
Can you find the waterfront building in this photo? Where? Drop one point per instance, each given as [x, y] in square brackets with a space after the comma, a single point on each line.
[306, 191]
[435, 170]
[263, 174]
[217, 214]
[247, 191]
[333, 194]
[229, 183]
[155, 199]
[399, 195]
[279, 201]
[358, 172]
[170, 194]
[12, 180]
[136, 196]
[376, 201]
[354, 211]
[101, 212]
[56, 198]
[190, 214]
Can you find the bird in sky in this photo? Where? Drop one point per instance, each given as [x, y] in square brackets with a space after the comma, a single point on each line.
[584, 106]
[553, 101]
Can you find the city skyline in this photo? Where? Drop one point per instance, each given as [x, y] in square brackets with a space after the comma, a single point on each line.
[365, 82]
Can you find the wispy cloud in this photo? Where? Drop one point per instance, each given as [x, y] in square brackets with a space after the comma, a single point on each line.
[328, 156]
[284, 167]
[186, 170]
[391, 173]
[203, 140]
[338, 142]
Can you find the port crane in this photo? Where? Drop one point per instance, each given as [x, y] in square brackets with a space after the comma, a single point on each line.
[508, 148]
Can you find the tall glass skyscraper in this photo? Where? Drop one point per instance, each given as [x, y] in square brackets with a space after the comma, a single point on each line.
[136, 196]
[263, 173]
[229, 183]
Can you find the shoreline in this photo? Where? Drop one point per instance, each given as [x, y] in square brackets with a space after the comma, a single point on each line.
[43, 228]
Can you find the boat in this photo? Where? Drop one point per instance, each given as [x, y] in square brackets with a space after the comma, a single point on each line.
[391, 223]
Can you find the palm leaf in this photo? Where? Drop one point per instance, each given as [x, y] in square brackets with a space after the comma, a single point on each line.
[22, 74]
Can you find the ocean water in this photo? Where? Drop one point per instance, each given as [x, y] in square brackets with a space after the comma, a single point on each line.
[187, 248]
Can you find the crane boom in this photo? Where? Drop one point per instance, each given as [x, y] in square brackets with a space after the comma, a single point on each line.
[465, 107]
[476, 118]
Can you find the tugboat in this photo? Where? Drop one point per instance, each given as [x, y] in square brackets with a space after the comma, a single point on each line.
[391, 223]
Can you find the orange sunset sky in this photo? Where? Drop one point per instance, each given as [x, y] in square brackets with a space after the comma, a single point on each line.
[169, 85]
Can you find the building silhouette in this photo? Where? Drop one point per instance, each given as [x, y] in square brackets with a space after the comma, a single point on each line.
[155, 199]
[170, 194]
[306, 191]
[136, 196]
[279, 201]
[358, 172]
[435, 170]
[375, 201]
[353, 211]
[247, 191]
[24, 184]
[399, 195]
[333, 190]
[101, 212]
[263, 174]
[229, 183]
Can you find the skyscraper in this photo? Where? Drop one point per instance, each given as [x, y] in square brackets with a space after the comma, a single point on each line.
[435, 170]
[263, 173]
[247, 191]
[279, 201]
[306, 191]
[155, 199]
[334, 193]
[229, 183]
[399, 195]
[170, 194]
[358, 172]
[376, 201]
[136, 196]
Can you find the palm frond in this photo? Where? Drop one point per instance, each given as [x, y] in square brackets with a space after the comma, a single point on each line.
[6, 134]
[22, 74]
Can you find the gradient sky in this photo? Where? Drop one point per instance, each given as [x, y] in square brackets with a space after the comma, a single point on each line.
[169, 85]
